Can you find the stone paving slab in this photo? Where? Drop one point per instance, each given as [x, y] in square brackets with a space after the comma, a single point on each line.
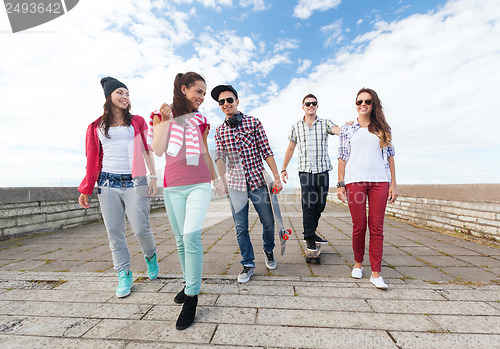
[445, 340]
[417, 306]
[303, 337]
[346, 320]
[57, 290]
[146, 330]
[18, 341]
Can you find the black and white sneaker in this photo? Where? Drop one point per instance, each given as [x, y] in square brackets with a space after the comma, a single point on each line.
[320, 240]
[311, 245]
[270, 262]
[245, 275]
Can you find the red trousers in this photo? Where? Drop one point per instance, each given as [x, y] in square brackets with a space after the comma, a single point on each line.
[376, 194]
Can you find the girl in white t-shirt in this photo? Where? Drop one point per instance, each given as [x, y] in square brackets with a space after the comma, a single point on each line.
[117, 157]
[366, 171]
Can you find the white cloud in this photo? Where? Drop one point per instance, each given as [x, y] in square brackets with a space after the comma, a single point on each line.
[50, 81]
[216, 4]
[258, 5]
[265, 66]
[286, 44]
[435, 73]
[303, 65]
[333, 32]
[435, 76]
[305, 8]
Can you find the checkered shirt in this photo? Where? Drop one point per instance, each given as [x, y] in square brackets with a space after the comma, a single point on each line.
[312, 144]
[242, 149]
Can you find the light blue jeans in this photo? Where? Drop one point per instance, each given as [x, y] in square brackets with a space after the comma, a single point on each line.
[120, 195]
[239, 209]
[186, 207]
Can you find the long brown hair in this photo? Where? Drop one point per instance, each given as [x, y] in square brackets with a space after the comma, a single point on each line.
[107, 116]
[378, 124]
[181, 105]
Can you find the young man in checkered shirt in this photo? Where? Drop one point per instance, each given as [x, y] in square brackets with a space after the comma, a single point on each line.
[310, 134]
[241, 144]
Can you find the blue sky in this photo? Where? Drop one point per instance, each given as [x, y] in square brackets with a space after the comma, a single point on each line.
[433, 63]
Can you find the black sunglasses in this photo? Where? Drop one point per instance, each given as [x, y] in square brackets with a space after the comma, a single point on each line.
[367, 101]
[308, 104]
[230, 100]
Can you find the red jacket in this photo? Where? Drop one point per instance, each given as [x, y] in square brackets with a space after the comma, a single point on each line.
[93, 151]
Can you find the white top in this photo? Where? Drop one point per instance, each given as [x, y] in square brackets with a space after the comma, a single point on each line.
[366, 162]
[118, 151]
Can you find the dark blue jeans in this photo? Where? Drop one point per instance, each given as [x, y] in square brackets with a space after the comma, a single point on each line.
[314, 192]
[239, 208]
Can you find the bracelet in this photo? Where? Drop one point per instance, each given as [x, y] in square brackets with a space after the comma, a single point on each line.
[341, 184]
[283, 171]
[215, 181]
[153, 177]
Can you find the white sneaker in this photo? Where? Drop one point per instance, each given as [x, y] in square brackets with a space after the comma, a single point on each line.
[270, 262]
[379, 283]
[245, 275]
[357, 273]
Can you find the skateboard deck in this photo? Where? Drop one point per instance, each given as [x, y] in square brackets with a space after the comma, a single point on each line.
[283, 234]
[314, 256]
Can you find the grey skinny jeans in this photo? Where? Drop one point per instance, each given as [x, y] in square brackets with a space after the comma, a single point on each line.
[120, 195]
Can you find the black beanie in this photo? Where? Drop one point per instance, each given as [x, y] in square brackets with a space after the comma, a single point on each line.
[110, 84]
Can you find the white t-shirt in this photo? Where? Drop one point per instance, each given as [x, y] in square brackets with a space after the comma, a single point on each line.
[118, 151]
[366, 161]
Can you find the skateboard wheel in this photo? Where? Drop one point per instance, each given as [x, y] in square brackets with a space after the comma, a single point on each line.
[289, 231]
[285, 237]
[275, 190]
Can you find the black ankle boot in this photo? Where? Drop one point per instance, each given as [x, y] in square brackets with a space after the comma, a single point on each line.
[181, 297]
[188, 312]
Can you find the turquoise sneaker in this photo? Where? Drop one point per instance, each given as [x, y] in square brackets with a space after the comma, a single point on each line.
[153, 267]
[124, 283]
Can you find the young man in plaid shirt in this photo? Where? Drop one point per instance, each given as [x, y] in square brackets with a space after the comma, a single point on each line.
[241, 144]
[310, 134]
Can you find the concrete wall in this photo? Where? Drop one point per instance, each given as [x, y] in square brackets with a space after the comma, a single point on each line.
[29, 210]
[468, 208]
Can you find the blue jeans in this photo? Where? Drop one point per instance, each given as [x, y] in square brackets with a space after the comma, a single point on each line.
[239, 209]
[120, 195]
[186, 207]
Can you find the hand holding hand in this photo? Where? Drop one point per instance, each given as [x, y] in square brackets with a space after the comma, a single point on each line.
[220, 189]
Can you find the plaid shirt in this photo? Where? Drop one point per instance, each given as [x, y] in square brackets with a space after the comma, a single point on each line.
[312, 144]
[242, 149]
[346, 133]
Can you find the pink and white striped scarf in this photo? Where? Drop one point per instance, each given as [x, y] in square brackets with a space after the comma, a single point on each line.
[178, 132]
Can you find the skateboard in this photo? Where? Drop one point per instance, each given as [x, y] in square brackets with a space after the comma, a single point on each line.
[314, 256]
[283, 234]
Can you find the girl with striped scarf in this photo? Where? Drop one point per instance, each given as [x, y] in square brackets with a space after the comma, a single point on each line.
[180, 132]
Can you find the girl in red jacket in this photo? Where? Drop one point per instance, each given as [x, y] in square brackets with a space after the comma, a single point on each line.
[116, 151]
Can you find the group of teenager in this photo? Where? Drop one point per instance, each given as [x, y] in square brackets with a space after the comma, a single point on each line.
[119, 150]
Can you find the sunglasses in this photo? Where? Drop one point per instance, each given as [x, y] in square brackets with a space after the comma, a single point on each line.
[308, 104]
[367, 101]
[230, 100]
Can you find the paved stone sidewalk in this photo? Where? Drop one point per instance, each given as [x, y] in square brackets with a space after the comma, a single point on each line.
[57, 291]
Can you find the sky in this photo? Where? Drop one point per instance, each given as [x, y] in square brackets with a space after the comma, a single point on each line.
[434, 64]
